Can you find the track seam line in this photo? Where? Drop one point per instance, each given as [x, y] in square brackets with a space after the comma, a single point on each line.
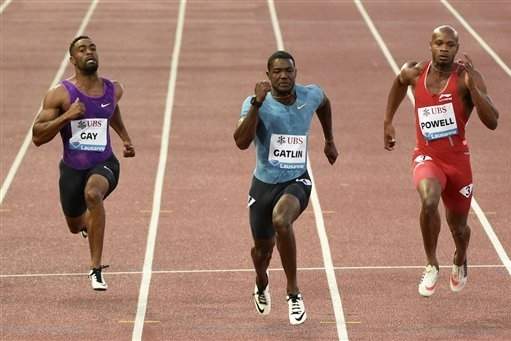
[477, 37]
[342, 332]
[28, 137]
[160, 175]
[213, 271]
[4, 5]
[474, 205]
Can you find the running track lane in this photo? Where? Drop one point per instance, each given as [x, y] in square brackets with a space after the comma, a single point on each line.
[206, 189]
[65, 307]
[385, 301]
[490, 160]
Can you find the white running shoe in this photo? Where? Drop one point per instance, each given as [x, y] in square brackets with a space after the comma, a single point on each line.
[297, 314]
[428, 281]
[262, 300]
[97, 280]
[458, 277]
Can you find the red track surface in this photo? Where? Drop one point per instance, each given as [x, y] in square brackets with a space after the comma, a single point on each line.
[370, 207]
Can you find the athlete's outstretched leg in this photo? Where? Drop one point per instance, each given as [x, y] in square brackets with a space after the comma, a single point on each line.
[284, 214]
[461, 234]
[261, 256]
[430, 191]
[95, 190]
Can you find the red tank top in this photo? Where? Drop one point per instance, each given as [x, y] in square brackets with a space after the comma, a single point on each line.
[440, 119]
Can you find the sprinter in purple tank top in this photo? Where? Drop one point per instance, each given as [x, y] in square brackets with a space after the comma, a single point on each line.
[81, 109]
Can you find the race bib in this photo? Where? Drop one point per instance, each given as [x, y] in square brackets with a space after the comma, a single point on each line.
[288, 151]
[89, 134]
[437, 121]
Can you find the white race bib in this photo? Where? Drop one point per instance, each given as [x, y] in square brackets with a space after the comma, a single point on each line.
[437, 121]
[288, 151]
[89, 134]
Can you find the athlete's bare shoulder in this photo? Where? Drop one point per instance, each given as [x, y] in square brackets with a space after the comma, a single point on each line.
[57, 97]
[410, 71]
[119, 89]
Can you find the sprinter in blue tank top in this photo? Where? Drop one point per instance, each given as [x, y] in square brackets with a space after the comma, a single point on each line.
[81, 109]
[277, 120]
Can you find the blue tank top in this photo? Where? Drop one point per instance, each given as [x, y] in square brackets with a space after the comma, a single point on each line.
[282, 134]
[87, 140]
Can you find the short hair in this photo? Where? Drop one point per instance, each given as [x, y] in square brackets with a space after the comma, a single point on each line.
[446, 28]
[280, 55]
[74, 42]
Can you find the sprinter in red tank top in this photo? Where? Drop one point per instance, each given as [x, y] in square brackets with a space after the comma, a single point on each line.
[445, 94]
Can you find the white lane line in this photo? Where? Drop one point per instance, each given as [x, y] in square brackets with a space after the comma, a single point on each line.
[160, 175]
[381, 44]
[342, 332]
[491, 235]
[474, 205]
[4, 5]
[214, 271]
[28, 137]
[477, 37]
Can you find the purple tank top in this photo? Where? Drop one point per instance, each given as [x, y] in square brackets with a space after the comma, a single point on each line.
[87, 140]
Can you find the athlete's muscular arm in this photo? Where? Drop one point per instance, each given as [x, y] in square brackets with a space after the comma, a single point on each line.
[474, 82]
[324, 112]
[406, 77]
[118, 125]
[49, 120]
[247, 126]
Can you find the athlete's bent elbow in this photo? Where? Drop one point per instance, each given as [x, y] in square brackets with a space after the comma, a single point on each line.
[241, 144]
[36, 141]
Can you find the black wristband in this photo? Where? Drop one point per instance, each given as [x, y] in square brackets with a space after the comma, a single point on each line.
[255, 103]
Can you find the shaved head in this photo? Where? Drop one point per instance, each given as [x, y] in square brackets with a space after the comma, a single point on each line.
[446, 29]
[444, 45]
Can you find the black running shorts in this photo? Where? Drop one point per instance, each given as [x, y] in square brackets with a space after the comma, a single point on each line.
[72, 184]
[263, 197]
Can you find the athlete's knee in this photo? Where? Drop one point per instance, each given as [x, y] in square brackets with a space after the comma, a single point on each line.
[93, 197]
[457, 222]
[262, 252]
[281, 223]
[74, 229]
[75, 225]
[460, 231]
[430, 204]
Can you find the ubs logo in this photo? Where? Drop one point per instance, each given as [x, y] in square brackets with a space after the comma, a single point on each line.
[89, 124]
[281, 140]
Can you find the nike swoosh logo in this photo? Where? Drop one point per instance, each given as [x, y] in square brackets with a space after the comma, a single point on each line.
[259, 309]
[300, 318]
[431, 287]
[104, 105]
[301, 106]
